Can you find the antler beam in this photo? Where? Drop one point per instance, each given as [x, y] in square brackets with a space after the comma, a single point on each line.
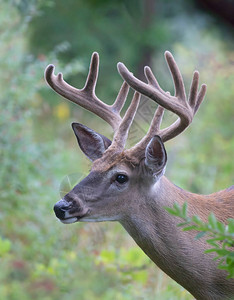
[177, 104]
[87, 99]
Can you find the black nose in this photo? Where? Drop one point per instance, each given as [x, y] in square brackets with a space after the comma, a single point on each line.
[60, 208]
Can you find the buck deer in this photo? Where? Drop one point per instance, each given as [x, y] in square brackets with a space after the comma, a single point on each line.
[130, 186]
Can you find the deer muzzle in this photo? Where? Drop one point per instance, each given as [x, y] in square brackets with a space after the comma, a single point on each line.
[68, 212]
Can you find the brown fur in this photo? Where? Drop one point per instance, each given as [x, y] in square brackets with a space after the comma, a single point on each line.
[177, 253]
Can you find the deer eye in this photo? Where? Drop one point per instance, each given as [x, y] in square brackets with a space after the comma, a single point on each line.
[121, 178]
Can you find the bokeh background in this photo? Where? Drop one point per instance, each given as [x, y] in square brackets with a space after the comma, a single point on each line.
[40, 258]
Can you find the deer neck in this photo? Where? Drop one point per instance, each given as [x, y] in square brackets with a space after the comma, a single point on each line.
[149, 224]
[176, 252]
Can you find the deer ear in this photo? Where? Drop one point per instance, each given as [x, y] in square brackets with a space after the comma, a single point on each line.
[156, 156]
[91, 143]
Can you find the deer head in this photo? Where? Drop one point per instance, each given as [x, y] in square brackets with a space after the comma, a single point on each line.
[121, 180]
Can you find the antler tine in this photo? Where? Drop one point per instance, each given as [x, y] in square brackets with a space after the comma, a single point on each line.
[177, 77]
[91, 81]
[194, 89]
[153, 130]
[155, 94]
[200, 97]
[152, 80]
[194, 99]
[121, 134]
[86, 97]
[177, 104]
[121, 98]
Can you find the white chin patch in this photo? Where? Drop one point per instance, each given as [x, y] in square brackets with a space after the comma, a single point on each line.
[69, 221]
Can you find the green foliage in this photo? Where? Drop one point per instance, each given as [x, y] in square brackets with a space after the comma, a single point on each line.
[21, 158]
[108, 27]
[132, 263]
[219, 236]
[202, 156]
[5, 246]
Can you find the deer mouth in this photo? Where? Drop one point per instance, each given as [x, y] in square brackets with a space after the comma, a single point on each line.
[72, 219]
[69, 220]
[67, 213]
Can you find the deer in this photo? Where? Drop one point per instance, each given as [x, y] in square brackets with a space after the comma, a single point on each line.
[129, 186]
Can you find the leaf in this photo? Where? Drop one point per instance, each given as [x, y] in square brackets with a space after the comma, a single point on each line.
[200, 235]
[171, 211]
[196, 219]
[212, 242]
[222, 252]
[183, 224]
[221, 227]
[184, 209]
[231, 226]
[210, 250]
[231, 255]
[190, 228]
[212, 221]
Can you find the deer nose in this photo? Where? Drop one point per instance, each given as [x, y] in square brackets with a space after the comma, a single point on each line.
[60, 208]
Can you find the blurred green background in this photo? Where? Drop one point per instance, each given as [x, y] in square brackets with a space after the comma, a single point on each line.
[39, 257]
